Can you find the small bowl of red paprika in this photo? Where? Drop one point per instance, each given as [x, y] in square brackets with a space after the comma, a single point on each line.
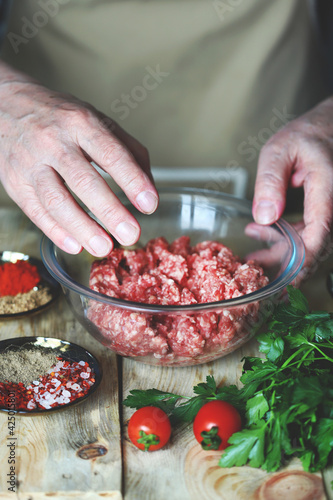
[25, 285]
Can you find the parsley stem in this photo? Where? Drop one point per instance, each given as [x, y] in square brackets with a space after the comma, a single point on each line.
[321, 352]
[328, 345]
[299, 363]
[285, 364]
[312, 360]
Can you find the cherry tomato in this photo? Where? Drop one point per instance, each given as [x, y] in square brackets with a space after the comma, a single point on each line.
[149, 428]
[214, 423]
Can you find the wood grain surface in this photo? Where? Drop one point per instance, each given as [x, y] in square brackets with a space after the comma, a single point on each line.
[84, 452]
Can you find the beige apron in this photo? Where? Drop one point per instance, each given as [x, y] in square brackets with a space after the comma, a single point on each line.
[199, 82]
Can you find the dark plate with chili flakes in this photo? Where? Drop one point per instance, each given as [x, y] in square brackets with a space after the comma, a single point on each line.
[20, 302]
[77, 361]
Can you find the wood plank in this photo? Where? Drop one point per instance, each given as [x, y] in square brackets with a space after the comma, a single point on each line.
[206, 480]
[76, 452]
[328, 482]
[182, 470]
[170, 471]
[163, 471]
[63, 451]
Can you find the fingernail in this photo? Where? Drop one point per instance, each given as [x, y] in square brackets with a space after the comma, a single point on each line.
[265, 212]
[100, 246]
[126, 233]
[71, 245]
[147, 201]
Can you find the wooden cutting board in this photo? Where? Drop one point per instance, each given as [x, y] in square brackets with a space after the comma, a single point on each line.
[84, 452]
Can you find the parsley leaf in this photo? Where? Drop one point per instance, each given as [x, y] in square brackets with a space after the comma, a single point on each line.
[324, 330]
[297, 300]
[187, 411]
[323, 441]
[256, 408]
[272, 346]
[247, 446]
[166, 401]
[206, 388]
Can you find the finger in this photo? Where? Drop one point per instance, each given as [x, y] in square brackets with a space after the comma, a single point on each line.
[85, 182]
[61, 206]
[33, 208]
[267, 234]
[279, 249]
[139, 152]
[275, 165]
[115, 159]
[269, 257]
[318, 203]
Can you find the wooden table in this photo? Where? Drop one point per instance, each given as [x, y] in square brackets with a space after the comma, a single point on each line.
[84, 452]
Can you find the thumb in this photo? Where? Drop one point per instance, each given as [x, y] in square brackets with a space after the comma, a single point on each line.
[273, 174]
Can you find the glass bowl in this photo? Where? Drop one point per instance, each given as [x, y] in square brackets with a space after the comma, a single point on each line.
[180, 335]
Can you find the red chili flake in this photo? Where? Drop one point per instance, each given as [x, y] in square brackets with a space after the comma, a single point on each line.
[18, 277]
[52, 389]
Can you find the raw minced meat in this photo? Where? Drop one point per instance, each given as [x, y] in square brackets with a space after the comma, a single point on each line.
[174, 274]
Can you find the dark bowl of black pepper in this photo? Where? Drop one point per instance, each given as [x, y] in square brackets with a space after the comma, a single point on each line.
[43, 374]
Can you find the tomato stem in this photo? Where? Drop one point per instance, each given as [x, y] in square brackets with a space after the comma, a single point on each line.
[211, 440]
[148, 440]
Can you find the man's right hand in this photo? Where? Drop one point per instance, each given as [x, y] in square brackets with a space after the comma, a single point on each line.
[47, 142]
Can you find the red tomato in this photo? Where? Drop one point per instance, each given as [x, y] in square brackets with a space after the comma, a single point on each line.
[214, 423]
[149, 428]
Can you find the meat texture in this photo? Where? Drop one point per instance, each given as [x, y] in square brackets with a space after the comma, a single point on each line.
[174, 274]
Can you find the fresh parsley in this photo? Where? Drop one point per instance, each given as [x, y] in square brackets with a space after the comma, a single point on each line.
[289, 395]
[286, 399]
[183, 409]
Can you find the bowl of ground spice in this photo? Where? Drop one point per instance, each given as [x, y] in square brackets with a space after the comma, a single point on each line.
[40, 374]
[25, 285]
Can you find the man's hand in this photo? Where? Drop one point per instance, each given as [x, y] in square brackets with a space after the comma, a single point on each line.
[47, 141]
[300, 154]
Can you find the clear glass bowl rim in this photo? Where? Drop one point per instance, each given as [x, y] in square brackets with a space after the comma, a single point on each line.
[48, 255]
